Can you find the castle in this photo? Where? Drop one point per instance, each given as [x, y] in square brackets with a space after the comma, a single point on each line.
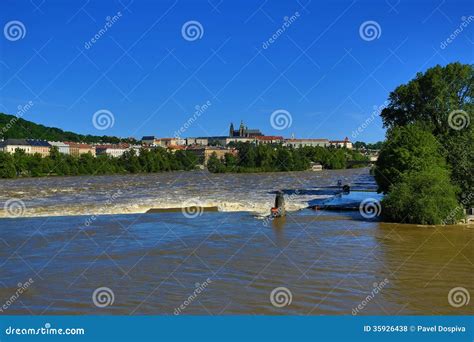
[244, 131]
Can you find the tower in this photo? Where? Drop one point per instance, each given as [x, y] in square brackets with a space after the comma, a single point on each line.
[241, 129]
[231, 130]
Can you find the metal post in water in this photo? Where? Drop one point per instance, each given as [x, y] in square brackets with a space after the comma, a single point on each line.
[279, 209]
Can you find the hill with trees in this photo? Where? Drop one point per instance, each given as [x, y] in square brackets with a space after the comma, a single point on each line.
[13, 127]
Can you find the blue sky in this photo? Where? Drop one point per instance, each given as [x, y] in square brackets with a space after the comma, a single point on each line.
[142, 70]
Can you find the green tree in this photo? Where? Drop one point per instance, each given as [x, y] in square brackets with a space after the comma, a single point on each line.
[130, 161]
[230, 161]
[423, 197]
[408, 148]
[432, 100]
[247, 155]
[284, 159]
[186, 160]
[431, 96]
[215, 165]
[7, 166]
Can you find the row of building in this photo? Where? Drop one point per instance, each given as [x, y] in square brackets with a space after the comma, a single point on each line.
[243, 134]
[224, 141]
[42, 147]
[202, 146]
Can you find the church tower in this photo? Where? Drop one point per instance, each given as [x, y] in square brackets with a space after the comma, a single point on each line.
[231, 130]
[241, 129]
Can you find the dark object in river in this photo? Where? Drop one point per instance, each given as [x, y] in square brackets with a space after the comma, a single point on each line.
[346, 189]
[279, 209]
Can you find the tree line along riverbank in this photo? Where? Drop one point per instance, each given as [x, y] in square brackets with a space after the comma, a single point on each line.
[249, 158]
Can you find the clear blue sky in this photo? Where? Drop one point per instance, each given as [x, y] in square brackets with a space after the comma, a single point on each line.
[142, 69]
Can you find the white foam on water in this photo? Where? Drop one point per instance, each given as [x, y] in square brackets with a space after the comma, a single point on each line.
[259, 207]
[135, 194]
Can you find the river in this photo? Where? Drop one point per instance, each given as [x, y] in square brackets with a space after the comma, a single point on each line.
[80, 249]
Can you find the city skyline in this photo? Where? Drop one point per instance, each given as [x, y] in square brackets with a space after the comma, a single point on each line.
[330, 66]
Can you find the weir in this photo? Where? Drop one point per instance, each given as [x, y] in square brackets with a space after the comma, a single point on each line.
[349, 196]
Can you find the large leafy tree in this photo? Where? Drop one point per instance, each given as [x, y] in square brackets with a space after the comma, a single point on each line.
[408, 148]
[415, 174]
[423, 197]
[431, 96]
[441, 101]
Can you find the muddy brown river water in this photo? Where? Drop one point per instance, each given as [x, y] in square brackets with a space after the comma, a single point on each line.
[64, 256]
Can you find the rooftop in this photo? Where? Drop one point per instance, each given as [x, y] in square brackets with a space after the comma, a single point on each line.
[78, 145]
[269, 137]
[14, 142]
[118, 146]
[314, 140]
[41, 143]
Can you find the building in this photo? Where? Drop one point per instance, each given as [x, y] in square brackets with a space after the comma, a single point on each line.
[136, 148]
[11, 145]
[112, 150]
[174, 148]
[165, 142]
[341, 143]
[62, 147]
[243, 131]
[269, 139]
[316, 166]
[76, 149]
[239, 139]
[151, 140]
[205, 152]
[29, 146]
[39, 146]
[202, 141]
[148, 140]
[296, 143]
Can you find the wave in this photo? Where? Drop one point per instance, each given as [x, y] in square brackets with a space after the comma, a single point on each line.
[257, 207]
